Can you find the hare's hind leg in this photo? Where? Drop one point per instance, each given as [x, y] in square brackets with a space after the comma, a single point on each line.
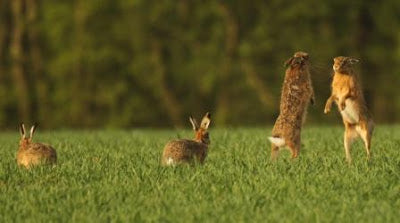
[365, 131]
[295, 143]
[294, 149]
[350, 134]
[274, 151]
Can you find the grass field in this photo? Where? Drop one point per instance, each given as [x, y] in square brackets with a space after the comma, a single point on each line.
[116, 176]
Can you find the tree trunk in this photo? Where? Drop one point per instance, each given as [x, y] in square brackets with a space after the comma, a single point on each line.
[171, 104]
[3, 26]
[36, 66]
[78, 80]
[17, 61]
[231, 42]
[257, 83]
[377, 94]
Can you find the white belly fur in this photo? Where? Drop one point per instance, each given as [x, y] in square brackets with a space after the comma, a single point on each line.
[350, 113]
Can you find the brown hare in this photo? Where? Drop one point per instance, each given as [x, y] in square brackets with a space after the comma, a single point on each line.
[347, 93]
[297, 93]
[188, 151]
[32, 154]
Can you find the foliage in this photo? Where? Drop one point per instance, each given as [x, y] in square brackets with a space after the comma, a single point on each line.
[123, 63]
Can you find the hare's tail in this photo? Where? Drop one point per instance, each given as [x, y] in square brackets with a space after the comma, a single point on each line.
[277, 141]
[169, 162]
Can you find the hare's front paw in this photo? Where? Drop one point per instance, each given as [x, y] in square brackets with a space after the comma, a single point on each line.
[342, 106]
[327, 110]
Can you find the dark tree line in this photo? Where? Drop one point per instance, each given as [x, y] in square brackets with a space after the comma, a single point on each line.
[133, 63]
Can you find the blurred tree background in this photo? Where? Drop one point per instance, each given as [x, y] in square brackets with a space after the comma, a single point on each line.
[136, 63]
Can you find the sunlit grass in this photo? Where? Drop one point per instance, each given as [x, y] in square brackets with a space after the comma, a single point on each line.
[116, 176]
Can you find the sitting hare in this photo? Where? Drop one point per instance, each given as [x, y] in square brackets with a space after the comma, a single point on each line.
[30, 153]
[187, 151]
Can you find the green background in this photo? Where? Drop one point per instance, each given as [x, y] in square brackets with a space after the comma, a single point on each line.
[137, 63]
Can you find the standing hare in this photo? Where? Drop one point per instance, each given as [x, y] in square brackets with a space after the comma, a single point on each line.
[187, 151]
[347, 93]
[31, 154]
[297, 93]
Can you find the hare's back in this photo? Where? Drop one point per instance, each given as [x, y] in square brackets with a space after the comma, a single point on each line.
[180, 150]
[182, 146]
[43, 151]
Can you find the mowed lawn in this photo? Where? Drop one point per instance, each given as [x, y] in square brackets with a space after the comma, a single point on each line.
[115, 176]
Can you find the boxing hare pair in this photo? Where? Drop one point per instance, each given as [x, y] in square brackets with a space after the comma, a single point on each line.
[297, 92]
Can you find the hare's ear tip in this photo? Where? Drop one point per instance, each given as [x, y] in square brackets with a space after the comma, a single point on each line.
[194, 123]
[354, 60]
[208, 114]
[191, 119]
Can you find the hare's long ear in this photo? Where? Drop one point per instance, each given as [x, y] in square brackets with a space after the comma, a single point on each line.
[194, 123]
[33, 130]
[205, 122]
[22, 130]
[288, 62]
[353, 60]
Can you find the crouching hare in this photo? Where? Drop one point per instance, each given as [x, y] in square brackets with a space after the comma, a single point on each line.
[31, 154]
[297, 93]
[347, 93]
[189, 151]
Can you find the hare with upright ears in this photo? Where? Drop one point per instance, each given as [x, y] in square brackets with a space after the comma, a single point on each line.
[188, 151]
[32, 154]
[347, 93]
[297, 93]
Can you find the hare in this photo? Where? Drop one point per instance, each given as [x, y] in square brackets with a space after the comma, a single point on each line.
[297, 93]
[31, 154]
[188, 151]
[347, 93]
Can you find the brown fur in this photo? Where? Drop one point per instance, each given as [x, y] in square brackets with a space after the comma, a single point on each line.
[297, 93]
[188, 151]
[347, 94]
[31, 154]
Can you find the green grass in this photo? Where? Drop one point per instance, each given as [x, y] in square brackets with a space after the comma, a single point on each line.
[116, 176]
